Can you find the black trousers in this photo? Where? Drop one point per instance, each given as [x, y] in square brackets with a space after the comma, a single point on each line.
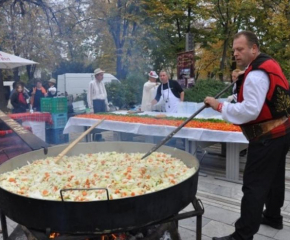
[263, 184]
[99, 105]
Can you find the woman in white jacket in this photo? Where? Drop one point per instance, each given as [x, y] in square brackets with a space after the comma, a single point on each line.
[149, 91]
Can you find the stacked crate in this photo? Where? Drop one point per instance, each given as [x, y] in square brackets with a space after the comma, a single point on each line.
[58, 109]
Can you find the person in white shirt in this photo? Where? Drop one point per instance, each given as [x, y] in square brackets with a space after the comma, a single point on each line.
[149, 92]
[235, 75]
[97, 94]
[51, 91]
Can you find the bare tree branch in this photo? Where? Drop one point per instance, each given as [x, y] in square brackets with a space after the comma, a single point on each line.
[221, 14]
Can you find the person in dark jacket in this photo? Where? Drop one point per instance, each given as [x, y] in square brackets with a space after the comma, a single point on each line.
[18, 99]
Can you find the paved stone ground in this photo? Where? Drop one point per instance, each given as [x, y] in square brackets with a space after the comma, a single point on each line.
[221, 201]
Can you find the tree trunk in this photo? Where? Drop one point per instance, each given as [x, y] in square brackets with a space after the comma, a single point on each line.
[119, 29]
[196, 76]
[223, 60]
[2, 90]
[234, 64]
[119, 54]
[16, 77]
[188, 18]
[3, 102]
[30, 70]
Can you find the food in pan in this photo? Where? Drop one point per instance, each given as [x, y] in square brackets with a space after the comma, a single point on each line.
[123, 174]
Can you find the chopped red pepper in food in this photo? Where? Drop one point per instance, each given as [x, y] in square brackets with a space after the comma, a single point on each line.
[212, 124]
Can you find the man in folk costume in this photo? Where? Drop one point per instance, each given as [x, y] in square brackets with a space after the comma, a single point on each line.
[97, 94]
[262, 109]
[170, 93]
[149, 91]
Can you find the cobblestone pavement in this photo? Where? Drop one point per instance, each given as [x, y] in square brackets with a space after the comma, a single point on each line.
[221, 201]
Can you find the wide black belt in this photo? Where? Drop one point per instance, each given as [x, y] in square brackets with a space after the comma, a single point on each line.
[256, 130]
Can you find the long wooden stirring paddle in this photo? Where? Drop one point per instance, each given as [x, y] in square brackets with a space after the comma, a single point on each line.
[69, 147]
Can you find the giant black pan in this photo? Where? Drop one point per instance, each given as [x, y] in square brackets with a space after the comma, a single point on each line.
[96, 216]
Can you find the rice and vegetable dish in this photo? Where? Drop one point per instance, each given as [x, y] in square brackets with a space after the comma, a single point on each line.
[123, 174]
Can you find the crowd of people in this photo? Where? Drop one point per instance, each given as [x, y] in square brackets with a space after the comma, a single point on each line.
[21, 99]
[162, 96]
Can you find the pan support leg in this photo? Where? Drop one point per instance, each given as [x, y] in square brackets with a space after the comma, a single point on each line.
[198, 207]
[4, 226]
[198, 227]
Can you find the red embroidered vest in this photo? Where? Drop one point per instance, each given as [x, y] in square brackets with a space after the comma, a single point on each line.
[277, 103]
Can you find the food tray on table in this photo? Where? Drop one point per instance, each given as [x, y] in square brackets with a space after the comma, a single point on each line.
[134, 111]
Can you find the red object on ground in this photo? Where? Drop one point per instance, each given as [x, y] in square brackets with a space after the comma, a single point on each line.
[3, 133]
[36, 117]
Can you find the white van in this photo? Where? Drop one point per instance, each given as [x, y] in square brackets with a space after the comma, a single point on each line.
[76, 83]
[8, 86]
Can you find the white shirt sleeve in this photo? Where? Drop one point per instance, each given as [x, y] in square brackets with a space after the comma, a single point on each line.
[52, 90]
[256, 87]
[149, 85]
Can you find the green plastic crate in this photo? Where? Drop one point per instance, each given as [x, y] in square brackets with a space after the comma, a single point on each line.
[45, 104]
[54, 105]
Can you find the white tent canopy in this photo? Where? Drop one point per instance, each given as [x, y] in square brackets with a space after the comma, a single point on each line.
[8, 61]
